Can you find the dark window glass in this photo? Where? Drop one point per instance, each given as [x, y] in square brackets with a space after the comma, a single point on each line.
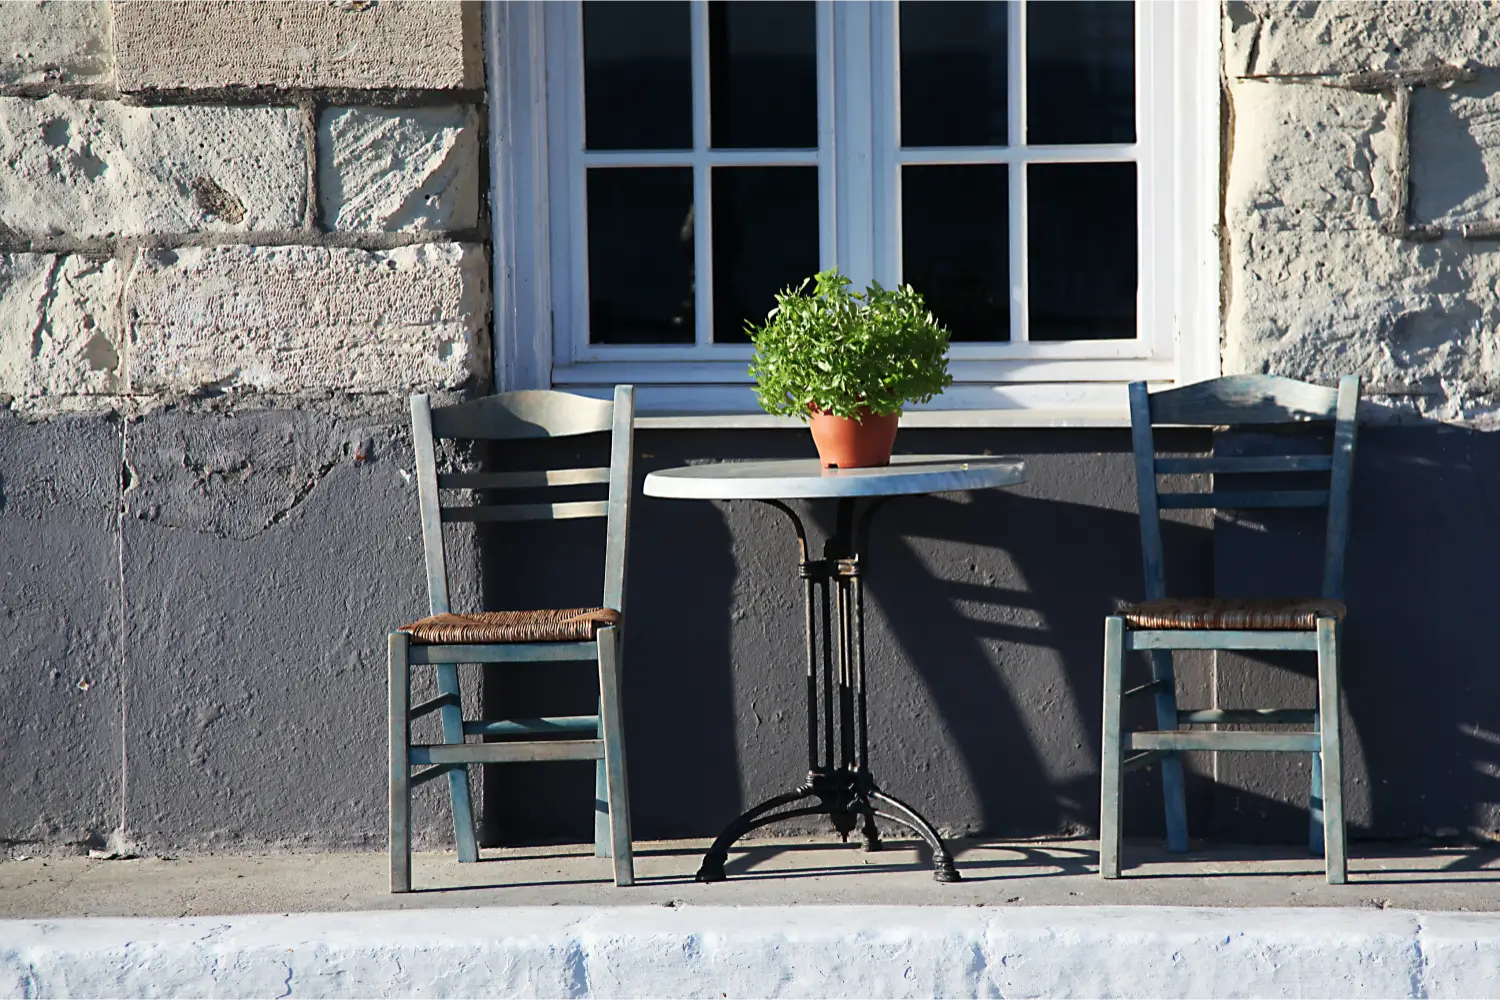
[763, 74]
[765, 238]
[637, 76]
[1080, 71]
[640, 255]
[955, 246]
[1081, 251]
[953, 89]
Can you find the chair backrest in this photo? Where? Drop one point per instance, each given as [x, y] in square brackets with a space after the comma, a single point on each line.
[515, 416]
[1246, 400]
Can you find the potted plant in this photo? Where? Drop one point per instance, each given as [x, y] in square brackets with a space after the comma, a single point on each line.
[848, 362]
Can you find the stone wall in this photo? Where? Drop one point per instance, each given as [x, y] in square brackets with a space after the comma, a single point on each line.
[233, 238]
[268, 197]
[1362, 205]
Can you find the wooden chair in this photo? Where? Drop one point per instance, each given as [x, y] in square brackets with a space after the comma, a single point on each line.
[1163, 624]
[445, 639]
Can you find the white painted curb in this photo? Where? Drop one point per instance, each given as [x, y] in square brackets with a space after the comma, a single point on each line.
[803, 951]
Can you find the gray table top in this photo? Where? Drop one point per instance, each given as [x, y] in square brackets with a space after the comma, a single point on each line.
[804, 478]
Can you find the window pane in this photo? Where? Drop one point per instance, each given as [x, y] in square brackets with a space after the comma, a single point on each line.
[763, 74]
[765, 238]
[1081, 250]
[1080, 71]
[640, 255]
[955, 246]
[953, 59]
[637, 76]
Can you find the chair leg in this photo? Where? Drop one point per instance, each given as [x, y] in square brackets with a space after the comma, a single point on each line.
[399, 725]
[1334, 842]
[1110, 770]
[452, 715]
[1174, 797]
[1315, 802]
[602, 848]
[611, 719]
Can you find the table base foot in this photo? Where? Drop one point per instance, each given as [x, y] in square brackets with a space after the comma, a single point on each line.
[850, 799]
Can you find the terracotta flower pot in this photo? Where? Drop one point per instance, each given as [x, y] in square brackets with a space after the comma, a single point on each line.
[853, 444]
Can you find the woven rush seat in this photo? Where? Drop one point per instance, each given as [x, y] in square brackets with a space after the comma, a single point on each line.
[1231, 613]
[554, 625]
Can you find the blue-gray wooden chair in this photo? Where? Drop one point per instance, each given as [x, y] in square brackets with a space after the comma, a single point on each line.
[1163, 624]
[446, 640]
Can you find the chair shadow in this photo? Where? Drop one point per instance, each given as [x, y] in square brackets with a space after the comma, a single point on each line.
[563, 567]
[1000, 583]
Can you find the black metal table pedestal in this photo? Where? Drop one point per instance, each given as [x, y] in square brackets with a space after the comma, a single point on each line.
[846, 792]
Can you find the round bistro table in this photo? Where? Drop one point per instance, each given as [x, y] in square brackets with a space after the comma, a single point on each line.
[838, 784]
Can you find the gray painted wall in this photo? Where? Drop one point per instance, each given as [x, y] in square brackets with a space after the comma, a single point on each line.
[198, 641]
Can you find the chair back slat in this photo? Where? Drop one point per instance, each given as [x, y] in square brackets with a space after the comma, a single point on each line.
[521, 480]
[1244, 399]
[1242, 499]
[532, 413]
[527, 511]
[1251, 463]
[529, 414]
[621, 465]
[1340, 487]
[427, 501]
[1145, 481]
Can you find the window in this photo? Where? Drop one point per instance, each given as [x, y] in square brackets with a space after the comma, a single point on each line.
[1044, 172]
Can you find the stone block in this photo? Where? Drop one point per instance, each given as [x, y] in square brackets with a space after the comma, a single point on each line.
[91, 169]
[60, 719]
[1407, 316]
[170, 46]
[59, 327]
[1309, 157]
[270, 551]
[1275, 38]
[284, 319]
[52, 42]
[409, 169]
[1455, 154]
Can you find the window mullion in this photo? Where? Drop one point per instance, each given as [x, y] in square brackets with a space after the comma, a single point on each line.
[1016, 174]
[570, 317]
[885, 102]
[703, 222]
[828, 181]
[854, 157]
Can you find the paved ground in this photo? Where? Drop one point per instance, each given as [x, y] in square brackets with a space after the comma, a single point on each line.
[770, 872]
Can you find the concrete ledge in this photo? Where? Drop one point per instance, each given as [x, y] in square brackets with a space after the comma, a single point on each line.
[687, 951]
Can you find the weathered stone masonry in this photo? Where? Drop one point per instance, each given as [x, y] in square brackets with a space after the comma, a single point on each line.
[1363, 198]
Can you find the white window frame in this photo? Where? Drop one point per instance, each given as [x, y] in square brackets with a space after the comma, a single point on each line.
[540, 338]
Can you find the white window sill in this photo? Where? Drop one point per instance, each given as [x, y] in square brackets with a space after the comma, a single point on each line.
[1036, 405]
[930, 419]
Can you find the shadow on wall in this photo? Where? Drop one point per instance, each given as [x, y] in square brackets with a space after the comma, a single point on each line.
[996, 601]
[1421, 691]
[984, 644]
[679, 688]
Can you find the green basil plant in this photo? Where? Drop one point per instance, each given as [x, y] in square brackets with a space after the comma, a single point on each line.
[842, 351]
